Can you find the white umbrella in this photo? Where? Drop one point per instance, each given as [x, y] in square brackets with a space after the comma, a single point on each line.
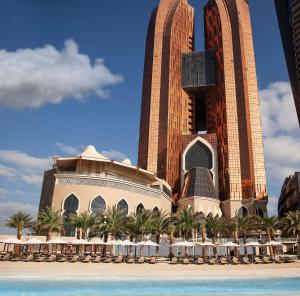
[12, 241]
[80, 242]
[115, 242]
[183, 244]
[34, 241]
[148, 243]
[229, 245]
[206, 244]
[252, 244]
[97, 241]
[56, 241]
[128, 243]
[273, 244]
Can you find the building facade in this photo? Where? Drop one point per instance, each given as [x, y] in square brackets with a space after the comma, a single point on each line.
[204, 101]
[288, 14]
[289, 199]
[91, 183]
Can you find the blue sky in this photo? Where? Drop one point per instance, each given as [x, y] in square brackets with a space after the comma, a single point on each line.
[102, 42]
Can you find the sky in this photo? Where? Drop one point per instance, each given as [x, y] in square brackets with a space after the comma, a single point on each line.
[71, 75]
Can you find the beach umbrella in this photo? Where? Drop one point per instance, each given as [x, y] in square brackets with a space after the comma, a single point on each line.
[56, 241]
[206, 245]
[272, 244]
[184, 244]
[148, 244]
[34, 241]
[97, 241]
[127, 243]
[229, 245]
[252, 245]
[115, 243]
[80, 242]
[11, 241]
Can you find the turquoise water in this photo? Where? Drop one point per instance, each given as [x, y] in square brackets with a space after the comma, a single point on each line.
[244, 287]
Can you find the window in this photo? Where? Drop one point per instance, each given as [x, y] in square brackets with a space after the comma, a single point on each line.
[98, 205]
[71, 205]
[242, 212]
[122, 205]
[140, 208]
[259, 212]
[155, 210]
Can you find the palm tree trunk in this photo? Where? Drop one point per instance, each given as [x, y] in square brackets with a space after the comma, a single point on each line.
[158, 242]
[78, 233]
[19, 234]
[49, 233]
[298, 243]
[269, 239]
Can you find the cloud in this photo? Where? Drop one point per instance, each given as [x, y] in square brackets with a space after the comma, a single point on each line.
[32, 179]
[7, 172]
[30, 78]
[281, 137]
[114, 155]
[273, 206]
[67, 149]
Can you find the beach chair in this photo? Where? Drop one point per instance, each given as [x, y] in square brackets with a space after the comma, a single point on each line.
[186, 261]
[27, 258]
[174, 260]
[223, 261]
[119, 259]
[62, 259]
[267, 260]
[199, 261]
[277, 259]
[257, 260]
[108, 260]
[51, 258]
[130, 260]
[87, 259]
[15, 258]
[141, 260]
[246, 260]
[39, 258]
[5, 257]
[74, 259]
[235, 261]
[212, 261]
[97, 259]
[153, 260]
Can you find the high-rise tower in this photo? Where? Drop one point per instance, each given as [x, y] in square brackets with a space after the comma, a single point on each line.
[288, 14]
[201, 109]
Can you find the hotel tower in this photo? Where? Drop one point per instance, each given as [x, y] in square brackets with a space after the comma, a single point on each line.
[200, 124]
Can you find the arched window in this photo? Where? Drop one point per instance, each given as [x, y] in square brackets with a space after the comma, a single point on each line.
[259, 212]
[140, 208]
[242, 212]
[199, 155]
[122, 205]
[98, 205]
[155, 210]
[70, 207]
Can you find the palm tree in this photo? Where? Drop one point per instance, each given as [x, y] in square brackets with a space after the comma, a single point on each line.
[83, 222]
[216, 226]
[242, 225]
[291, 226]
[49, 220]
[20, 220]
[143, 223]
[186, 222]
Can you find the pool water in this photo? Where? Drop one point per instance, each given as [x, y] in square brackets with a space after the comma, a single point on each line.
[64, 287]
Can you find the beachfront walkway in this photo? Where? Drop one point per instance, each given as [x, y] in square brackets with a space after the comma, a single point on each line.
[159, 271]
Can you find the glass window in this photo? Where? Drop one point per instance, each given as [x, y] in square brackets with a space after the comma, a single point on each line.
[259, 212]
[156, 210]
[98, 205]
[140, 208]
[242, 212]
[71, 205]
[122, 205]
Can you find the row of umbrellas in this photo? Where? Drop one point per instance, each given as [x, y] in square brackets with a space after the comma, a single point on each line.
[227, 244]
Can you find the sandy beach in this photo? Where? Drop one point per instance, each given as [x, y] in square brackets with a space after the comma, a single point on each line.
[158, 271]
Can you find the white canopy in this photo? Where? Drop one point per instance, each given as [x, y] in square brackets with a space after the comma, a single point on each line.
[97, 241]
[79, 242]
[115, 242]
[183, 244]
[273, 243]
[56, 241]
[252, 244]
[148, 243]
[128, 243]
[12, 241]
[229, 245]
[34, 241]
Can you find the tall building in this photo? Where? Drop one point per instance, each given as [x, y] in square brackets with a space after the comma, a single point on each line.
[289, 199]
[288, 14]
[201, 109]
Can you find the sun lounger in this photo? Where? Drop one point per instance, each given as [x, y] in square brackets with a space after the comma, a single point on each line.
[5, 257]
[62, 259]
[108, 260]
[51, 258]
[235, 261]
[212, 261]
[87, 259]
[199, 261]
[257, 260]
[130, 260]
[74, 259]
[246, 260]
[39, 259]
[119, 259]
[267, 260]
[186, 261]
[15, 258]
[174, 260]
[277, 259]
[27, 258]
[153, 260]
[97, 259]
[223, 261]
[141, 260]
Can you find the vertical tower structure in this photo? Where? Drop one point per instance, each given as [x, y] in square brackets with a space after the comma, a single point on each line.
[233, 105]
[166, 112]
[198, 106]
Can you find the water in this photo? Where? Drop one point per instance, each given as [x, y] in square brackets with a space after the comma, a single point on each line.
[234, 287]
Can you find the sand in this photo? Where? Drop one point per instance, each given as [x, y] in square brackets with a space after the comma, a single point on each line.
[144, 271]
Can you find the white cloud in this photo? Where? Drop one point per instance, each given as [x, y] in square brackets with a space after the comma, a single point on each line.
[273, 206]
[67, 149]
[7, 172]
[114, 155]
[32, 179]
[281, 137]
[30, 78]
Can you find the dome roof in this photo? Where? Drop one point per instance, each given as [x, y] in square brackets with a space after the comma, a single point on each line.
[91, 152]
